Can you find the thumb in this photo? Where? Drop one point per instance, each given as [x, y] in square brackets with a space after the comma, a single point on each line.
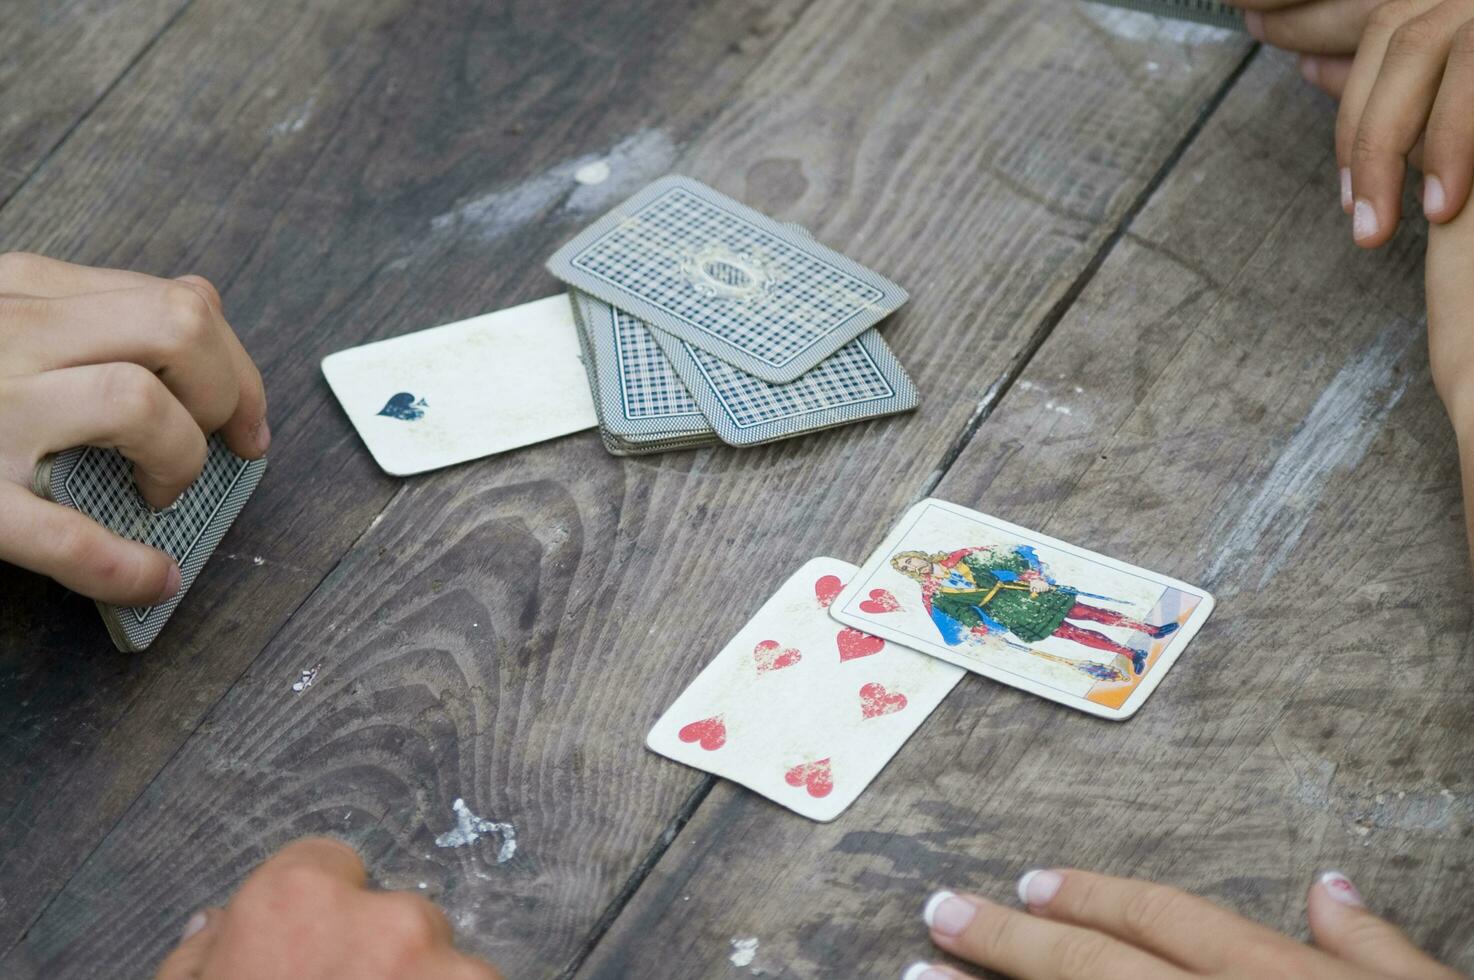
[1342, 926]
[187, 962]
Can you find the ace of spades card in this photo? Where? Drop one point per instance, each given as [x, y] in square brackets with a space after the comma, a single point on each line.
[799, 708]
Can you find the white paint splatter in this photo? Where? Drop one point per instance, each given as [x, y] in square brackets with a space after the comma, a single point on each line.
[630, 163]
[470, 828]
[309, 674]
[743, 951]
[297, 118]
[1335, 434]
[592, 173]
[1130, 25]
[258, 561]
[1061, 409]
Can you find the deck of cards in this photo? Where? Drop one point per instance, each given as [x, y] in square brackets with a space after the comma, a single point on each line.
[692, 320]
[810, 700]
[703, 321]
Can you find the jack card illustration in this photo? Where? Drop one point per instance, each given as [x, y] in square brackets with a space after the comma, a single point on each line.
[1023, 608]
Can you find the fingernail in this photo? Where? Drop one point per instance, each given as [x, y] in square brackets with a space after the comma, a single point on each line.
[262, 435]
[1363, 220]
[923, 971]
[1037, 888]
[1254, 24]
[196, 922]
[1433, 196]
[1339, 887]
[1345, 188]
[948, 914]
[172, 583]
[1310, 70]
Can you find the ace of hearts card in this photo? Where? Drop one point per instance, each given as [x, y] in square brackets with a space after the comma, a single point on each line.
[1023, 608]
[799, 708]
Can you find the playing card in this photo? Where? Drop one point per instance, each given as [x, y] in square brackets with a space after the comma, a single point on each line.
[465, 390]
[759, 294]
[638, 395]
[99, 483]
[1203, 11]
[1023, 608]
[800, 709]
[859, 381]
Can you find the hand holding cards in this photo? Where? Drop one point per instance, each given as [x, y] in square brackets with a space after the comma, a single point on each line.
[820, 689]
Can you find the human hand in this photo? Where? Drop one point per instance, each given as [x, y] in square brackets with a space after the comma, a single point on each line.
[1038, 585]
[1407, 96]
[307, 914]
[1450, 288]
[103, 357]
[1083, 926]
[1319, 27]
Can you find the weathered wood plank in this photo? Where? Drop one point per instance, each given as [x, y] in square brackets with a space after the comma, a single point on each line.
[1240, 399]
[344, 170]
[508, 631]
[60, 59]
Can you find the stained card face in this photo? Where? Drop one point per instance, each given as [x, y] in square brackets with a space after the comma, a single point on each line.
[762, 296]
[1023, 608]
[799, 708]
[465, 390]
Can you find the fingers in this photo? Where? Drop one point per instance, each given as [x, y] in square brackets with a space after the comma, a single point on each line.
[1326, 72]
[187, 962]
[1448, 156]
[28, 274]
[1323, 27]
[81, 554]
[119, 406]
[333, 859]
[1341, 925]
[1184, 929]
[170, 329]
[1450, 290]
[1027, 947]
[1397, 108]
[246, 432]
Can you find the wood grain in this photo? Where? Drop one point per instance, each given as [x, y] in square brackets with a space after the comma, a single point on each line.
[60, 60]
[1239, 398]
[344, 171]
[508, 630]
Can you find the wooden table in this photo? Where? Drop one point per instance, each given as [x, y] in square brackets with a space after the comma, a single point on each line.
[1138, 323]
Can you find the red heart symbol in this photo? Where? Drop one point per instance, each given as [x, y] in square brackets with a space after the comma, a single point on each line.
[770, 657]
[880, 601]
[815, 775]
[827, 589]
[710, 732]
[854, 644]
[875, 701]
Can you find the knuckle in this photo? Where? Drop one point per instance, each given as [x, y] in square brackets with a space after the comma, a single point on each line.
[1413, 39]
[204, 287]
[1151, 909]
[1463, 42]
[1079, 956]
[1391, 15]
[412, 923]
[133, 391]
[187, 321]
[292, 886]
[1365, 148]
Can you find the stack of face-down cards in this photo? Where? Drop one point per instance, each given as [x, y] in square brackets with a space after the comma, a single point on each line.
[99, 483]
[819, 690]
[703, 320]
